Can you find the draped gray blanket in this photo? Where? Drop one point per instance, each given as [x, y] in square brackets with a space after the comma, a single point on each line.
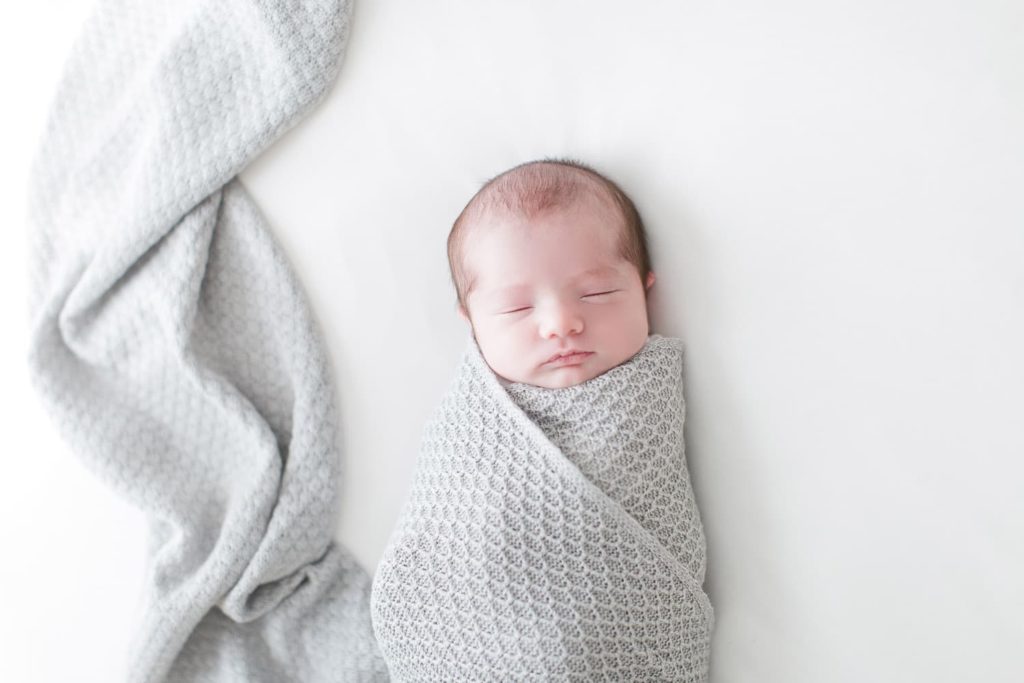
[550, 534]
[173, 346]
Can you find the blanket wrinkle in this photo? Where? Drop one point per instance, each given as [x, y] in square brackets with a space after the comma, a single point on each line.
[173, 346]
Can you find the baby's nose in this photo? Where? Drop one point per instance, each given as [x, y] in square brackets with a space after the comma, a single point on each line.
[560, 320]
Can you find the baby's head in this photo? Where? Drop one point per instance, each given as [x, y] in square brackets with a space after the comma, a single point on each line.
[547, 258]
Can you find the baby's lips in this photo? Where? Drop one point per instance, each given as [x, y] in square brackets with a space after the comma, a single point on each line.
[555, 358]
[565, 352]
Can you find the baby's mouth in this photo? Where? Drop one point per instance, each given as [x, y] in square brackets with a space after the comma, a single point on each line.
[569, 358]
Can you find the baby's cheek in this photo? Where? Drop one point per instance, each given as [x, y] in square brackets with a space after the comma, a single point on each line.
[497, 342]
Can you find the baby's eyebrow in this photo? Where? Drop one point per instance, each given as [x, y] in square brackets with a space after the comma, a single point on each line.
[598, 271]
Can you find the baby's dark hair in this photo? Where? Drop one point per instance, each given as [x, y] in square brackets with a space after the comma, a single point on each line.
[534, 187]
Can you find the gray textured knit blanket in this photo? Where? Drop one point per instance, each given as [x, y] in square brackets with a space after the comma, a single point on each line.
[173, 346]
[550, 534]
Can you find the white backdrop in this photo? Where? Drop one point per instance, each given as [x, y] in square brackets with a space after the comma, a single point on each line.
[833, 192]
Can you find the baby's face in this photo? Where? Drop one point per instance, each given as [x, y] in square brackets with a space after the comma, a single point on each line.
[552, 285]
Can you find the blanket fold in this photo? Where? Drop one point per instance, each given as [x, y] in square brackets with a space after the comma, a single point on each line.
[550, 534]
[174, 347]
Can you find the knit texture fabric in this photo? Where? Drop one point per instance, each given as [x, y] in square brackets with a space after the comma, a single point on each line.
[550, 534]
[173, 346]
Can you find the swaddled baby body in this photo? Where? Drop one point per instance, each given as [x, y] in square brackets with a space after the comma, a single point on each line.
[551, 532]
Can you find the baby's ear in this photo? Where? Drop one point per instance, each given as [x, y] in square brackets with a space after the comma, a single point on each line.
[463, 313]
[650, 279]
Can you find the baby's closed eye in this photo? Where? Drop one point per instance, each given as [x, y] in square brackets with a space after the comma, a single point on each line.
[520, 309]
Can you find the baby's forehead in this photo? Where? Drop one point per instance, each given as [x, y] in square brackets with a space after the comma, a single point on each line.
[490, 214]
[496, 249]
[508, 284]
[497, 230]
[513, 204]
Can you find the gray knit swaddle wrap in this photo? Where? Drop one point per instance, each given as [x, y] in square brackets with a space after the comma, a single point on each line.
[550, 534]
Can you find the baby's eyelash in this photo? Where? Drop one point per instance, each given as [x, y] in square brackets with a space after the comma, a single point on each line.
[525, 308]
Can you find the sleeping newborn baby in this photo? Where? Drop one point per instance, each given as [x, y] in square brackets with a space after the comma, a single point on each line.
[551, 531]
[550, 267]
